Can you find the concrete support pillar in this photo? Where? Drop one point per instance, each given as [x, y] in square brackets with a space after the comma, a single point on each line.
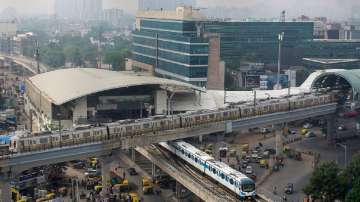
[330, 131]
[5, 192]
[133, 154]
[153, 170]
[278, 141]
[105, 172]
[200, 139]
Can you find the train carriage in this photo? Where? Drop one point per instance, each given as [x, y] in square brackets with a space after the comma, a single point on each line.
[235, 181]
[247, 111]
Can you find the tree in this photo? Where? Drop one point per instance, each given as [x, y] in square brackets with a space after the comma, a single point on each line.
[326, 183]
[73, 55]
[352, 171]
[354, 194]
[116, 59]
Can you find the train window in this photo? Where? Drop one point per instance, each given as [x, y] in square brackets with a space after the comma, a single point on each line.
[146, 125]
[197, 118]
[231, 181]
[225, 113]
[212, 116]
[214, 171]
[86, 134]
[196, 160]
[43, 140]
[222, 175]
[65, 137]
[128, 128]
[182, 151]
[189, 155]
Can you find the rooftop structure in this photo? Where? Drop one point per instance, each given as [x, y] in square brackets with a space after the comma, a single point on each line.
[85, 81]
[82, 95]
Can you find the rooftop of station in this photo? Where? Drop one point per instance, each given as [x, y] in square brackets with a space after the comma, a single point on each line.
[64, 85]
[330, 61]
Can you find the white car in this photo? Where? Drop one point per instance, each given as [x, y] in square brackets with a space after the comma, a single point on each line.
[249, 170]
[307, 126]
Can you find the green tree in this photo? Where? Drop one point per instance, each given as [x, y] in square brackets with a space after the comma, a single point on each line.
[73, 55]
[352, 171]
[117, 59]
[354, 194]
[326, 183]
[52, 55]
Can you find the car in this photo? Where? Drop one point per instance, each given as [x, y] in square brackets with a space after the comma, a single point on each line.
[265, 131]
[266, 154]
[310, 135]
[289, 188]
[249, 170]
[132, 171]
[341, 128]
[254, 155]
[292, 132]
[271, 151]
[307, 125]
[91, 172]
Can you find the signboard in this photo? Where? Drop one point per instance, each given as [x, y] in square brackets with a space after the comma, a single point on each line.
[268, 82]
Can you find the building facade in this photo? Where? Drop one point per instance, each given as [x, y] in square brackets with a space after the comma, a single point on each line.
[171, 47]
[79, 9]
[112, 16]
[184, 45]
[144, 5]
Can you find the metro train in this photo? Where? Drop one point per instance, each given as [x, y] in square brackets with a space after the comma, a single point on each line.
[131, 128]
[240, 184]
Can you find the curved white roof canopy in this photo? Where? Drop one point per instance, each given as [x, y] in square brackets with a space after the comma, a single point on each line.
[64, 85]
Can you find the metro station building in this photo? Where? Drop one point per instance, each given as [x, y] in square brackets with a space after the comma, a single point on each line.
[70, 97]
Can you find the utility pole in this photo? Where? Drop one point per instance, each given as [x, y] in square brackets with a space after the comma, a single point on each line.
[344, 146]
[37, 56]
[254, 91]
[281, 38]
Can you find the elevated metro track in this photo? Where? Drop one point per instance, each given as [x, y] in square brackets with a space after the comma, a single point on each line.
[62, 154]
[27, 63]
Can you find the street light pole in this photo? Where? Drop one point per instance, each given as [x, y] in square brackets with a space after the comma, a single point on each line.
[254, 91]
[281, 38]
[345, 148]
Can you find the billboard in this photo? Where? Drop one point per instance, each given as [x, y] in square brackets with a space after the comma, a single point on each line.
[267, 82]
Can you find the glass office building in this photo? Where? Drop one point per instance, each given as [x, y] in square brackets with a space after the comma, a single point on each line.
[258, 41]
[171, 44]
[173, 48]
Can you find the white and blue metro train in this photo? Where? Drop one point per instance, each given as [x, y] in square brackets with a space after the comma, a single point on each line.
[240, 184]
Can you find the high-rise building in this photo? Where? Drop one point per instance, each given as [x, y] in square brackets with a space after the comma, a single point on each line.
[166, 43]
[184, 45]
[164, 4]
[112, 16]
[78, 9]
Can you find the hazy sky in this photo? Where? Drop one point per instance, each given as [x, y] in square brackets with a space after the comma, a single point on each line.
[266, 8]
